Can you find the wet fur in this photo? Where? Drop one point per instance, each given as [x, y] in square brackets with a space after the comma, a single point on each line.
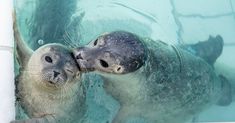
[43, 103]
[168, 88]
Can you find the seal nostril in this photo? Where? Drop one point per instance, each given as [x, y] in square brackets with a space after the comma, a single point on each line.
[119, 68]
[104, 63]
[56, 74]
[79, 56]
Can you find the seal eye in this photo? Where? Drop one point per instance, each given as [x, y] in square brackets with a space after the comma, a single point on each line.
[104, 63]
[96, 41]
[48, 59]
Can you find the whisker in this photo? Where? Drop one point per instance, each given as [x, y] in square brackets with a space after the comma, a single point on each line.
[67, 41]
[69, 37]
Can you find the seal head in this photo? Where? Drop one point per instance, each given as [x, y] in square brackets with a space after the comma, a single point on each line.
[117, 52]
[53, 65]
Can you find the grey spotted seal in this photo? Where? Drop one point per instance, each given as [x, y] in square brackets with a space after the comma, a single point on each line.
[48, 86]
[153, 80]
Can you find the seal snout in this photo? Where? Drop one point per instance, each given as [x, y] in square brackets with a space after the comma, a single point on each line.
[84, 59]
[56, 73]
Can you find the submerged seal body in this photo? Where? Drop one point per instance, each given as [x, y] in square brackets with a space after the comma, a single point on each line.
[48, 85]
[152, 80]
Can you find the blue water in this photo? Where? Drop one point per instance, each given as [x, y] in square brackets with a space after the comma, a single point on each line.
[75, 23]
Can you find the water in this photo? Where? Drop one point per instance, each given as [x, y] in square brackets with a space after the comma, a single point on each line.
[75, 23]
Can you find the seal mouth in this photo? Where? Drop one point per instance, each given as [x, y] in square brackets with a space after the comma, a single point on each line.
[79, 67]
[84, 66]
[51, 82]
[57, 80]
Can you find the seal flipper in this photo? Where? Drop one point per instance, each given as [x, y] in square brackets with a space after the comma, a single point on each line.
[226, 96]
[208, 50]
[23, 52]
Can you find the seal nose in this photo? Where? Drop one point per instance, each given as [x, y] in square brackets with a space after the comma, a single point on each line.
[56, 74]
[78, 53]
[79, 56]
[85, 58]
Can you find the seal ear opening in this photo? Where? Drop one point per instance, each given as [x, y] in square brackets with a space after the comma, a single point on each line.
[226, 96]
[118, 69]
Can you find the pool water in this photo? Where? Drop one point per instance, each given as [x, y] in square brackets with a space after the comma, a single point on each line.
[77, 22]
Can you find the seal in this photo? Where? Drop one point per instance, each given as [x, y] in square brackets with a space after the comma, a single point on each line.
[49, 88]
[153, 80]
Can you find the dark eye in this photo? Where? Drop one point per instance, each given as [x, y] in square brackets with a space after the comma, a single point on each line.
[48, 59]
[104, 63]
[96, 41]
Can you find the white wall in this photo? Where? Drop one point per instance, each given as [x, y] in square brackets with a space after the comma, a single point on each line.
[7, 98]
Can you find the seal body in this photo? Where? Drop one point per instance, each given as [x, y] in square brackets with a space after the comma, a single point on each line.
[49, 87]
[152, 80]
[170, 87]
